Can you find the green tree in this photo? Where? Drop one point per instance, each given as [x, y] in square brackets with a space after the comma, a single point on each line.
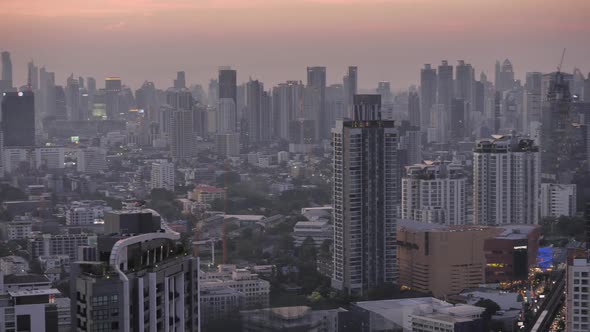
[490, 306]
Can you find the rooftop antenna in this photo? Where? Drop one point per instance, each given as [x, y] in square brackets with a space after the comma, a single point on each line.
[561, 62]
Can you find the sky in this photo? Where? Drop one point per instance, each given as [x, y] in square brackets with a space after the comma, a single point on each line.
[275, 40]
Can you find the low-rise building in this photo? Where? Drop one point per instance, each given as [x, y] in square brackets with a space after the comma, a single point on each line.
[419, 314]
[255, 290]
[219, 302]
[34, 310]
[65, 244]
[18, 229]
[13, 265]
[297, 318]
[558, 200]
[207, 194]
[319, 231]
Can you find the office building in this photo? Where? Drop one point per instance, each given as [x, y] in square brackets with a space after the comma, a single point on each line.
[163, 175]
[227, 87]
[18, 119]
[182, 136]
[113, 87]
[506, 181]
[34, 310]
[142, 279]
[18, 229]
[366, 198]
[445, 85]
[558, 200]
[33, 75]
[504, 79]
[219, 303]
[258, 104]
[414, 108]
[50, 158]
[350, 84]
[286, 99]
[180, 81]
[80, 215]
[91, 160]
[50, 245]
[428, 89]
[314, 100]
[434, 192]
[459, 116]
[227, 145]
[532, 98]
[6, 72]
[419, 314]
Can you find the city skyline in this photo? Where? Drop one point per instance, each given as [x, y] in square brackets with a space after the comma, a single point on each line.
[259, 38]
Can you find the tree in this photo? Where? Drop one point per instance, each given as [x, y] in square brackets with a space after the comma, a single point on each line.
[490, 306]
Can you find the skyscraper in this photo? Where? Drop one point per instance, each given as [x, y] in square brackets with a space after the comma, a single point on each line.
[428, 82]
[458, 119]
[227, 84]
[181, 123]
[350, 83]
[506, 181]
[504, 76]
[434, 192]
[180, 81]
[7, 70]
[445, 85]
[140, 278]
[316, 91]
[414, 108]
[163, 175]
[366, 198]
[112, 88]
[287, 100]
[33, 75]
[258, 106]
[18, 119]
[532, 98]
[75, 110]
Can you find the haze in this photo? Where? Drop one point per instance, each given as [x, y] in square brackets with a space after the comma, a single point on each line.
[274, 40]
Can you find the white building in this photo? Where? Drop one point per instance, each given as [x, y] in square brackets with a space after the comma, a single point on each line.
[163, 175]
[34, 310]
[319, 231]
[55, 262]
[18, 229]
[86, 212]
[49, 245]
[50, 157]
[434, 192]
[91, 160]
[558, 200]
[13, 158]
[13, 265]
[577, 298]
[255, 290]
[506, 181]
[366, 178]
[420, 314]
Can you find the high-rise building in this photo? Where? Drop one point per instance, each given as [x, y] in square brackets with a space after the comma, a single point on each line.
[287, 100]
[577, 301]
[163, 175]
[91, 160]
[182, 134]
[366, 198]
[384, 90]
[18, 119]
[458, 123]
[47, 93]
[350, 83]
[61, 103]
[445, 85]
[142, 279]
[414, 109]
[532, 98]
[33, 75]
[226, 117]
[315, 100]
[434, 192]
[558, 200]
[504, 76]
[75, 111]
[428, 89]
[556, 129]
[113, 87]
[147, 100]
[228, 144]
[213, 93]
[258, 106]
[180, 81]
[227, 87]
[506, 181]
[6, 71]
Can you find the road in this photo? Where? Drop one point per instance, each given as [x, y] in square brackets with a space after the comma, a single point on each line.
[550, 306]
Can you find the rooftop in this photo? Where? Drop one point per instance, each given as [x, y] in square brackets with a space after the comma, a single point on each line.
[35, 292]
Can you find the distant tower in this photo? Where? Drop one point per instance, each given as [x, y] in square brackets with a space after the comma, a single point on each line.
[366, 198]
[428, 82]
[350, 83]
[504, 76]
[112, 89]
[180, 81]
[316, 87]
[258, 104]
[445, 85]
[7, 70]
[18, 119]
[414, 108]
[33, 76]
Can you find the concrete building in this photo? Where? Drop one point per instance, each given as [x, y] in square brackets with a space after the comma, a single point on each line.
[218, 303]
[163, 173]
[319, 231]
[419, 314]
[441, 259]
[511, 253]
[227, 145]
[506, 181]
[434, 192]
[80, 216]
[428, 82]
[558, 200]
[91, 160]
[50, 158]
[18, 119]
[366, 198]
[255, 291]
[34, 310]
[577, 300]
[207, 194]
[49, 245]
[18, 229]
[13, 265]
[140, 282]
[299, 318]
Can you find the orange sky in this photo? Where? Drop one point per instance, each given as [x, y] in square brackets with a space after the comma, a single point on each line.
[274, 40]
